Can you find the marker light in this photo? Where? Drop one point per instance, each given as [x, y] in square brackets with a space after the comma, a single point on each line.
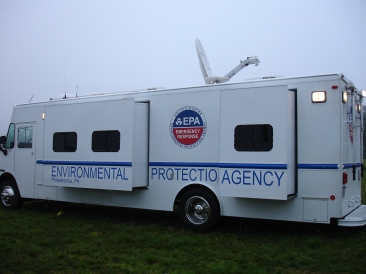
[332, 197]
[344, 97]
[345, 178]
[358, 108]
[43, 115]
[318, 97]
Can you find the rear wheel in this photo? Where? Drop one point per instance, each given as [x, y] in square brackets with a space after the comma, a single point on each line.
[9, 195]
[199, 210]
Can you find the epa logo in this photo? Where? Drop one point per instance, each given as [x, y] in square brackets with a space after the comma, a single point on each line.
[188, 127]
[178, 122]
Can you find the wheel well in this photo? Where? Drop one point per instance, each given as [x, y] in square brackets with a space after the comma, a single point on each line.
[189, 187]
[7, 177]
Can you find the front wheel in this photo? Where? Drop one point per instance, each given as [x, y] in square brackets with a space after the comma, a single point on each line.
[9, 195]
[199, 210]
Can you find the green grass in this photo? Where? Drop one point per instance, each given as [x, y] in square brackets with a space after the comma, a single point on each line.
[95, 239]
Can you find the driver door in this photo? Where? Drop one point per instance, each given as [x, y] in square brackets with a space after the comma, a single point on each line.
[25, 158]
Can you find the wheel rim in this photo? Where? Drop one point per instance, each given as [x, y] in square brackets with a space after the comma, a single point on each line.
[197, 210]
[7, 196]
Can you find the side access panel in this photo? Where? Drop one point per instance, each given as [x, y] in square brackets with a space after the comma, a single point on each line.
[257, 143]
[121, 170]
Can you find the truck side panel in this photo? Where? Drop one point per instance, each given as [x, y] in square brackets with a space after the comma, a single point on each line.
[262, 166]
[78, 151]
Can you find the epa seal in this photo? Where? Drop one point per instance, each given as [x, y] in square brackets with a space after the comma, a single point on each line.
[188, 127]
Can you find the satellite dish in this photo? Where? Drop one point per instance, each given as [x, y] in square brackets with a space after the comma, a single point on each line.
[206, 70]
[205, 66]
[202, 59]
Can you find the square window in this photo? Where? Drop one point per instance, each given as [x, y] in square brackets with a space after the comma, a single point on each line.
[106, 141]
[64, 142]
[253, 137]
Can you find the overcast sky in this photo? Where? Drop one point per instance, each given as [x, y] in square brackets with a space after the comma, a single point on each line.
[47, 47]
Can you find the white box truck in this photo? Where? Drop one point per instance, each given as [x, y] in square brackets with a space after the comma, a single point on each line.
[285, 148]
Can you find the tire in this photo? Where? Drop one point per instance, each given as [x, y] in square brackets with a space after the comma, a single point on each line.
[199, 210]
[9, 195]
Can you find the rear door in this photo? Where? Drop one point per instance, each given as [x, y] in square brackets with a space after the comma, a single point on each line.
[351, 151]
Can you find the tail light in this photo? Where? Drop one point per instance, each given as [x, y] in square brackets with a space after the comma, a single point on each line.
[345, 178]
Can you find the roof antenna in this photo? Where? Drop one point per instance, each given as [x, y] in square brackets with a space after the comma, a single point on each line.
[77, 89]
[65, 80]
[31, 99]
[206, 70]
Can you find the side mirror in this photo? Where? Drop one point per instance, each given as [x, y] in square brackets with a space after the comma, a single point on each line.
[3, 143]
[2, 140]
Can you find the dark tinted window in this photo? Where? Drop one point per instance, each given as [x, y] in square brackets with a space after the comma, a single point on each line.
[253, 137]
[106, 141]
[25, 137]
[64, 142]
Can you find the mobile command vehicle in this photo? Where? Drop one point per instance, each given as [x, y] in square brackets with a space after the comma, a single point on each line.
[284, 148]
